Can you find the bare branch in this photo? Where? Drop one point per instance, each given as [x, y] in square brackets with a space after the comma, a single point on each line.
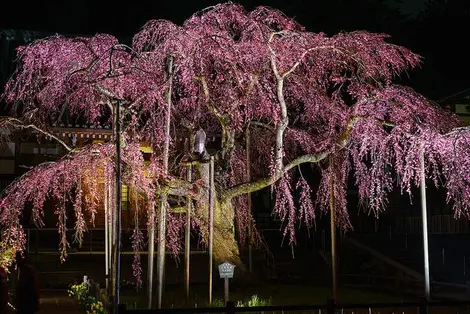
[205, 90]
[263, 125]
[250, 187]
[228, 137]
[106, 91]
[292, 69]
[18, 124]
[284, 121]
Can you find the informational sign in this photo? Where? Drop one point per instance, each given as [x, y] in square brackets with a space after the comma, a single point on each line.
[226, 270]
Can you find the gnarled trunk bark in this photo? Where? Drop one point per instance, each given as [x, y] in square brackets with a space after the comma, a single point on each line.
[225, 246]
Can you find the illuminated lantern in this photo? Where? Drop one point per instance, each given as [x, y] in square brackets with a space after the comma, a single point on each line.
[200, 142]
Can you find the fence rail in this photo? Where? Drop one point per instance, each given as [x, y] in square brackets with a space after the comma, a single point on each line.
[438, 224]
[43, 241]
[421, 307]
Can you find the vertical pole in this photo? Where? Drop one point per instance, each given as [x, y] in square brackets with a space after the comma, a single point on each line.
[424, 214]
[333, 236]
[161, 249]
[187, 238]
[250, 224]
[163, 198]
[151, 255]
[226, 290]
[117, 226]
[211, 223]
[110, 236]
[106, 232]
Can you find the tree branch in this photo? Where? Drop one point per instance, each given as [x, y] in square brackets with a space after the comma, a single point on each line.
[284, 121]
[18, 124]
[106, 91]
[228, 137]
[250, 187]
[292, 69]
[205, 91]
[263, 125]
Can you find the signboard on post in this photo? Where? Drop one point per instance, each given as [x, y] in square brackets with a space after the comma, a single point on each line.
[226, 271]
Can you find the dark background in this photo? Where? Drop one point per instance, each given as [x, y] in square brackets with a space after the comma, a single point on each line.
[436, 29]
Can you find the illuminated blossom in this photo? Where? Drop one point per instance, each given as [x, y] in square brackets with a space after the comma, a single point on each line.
[306, 98]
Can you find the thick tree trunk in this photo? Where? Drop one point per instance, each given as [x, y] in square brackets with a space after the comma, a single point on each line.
[225, 246]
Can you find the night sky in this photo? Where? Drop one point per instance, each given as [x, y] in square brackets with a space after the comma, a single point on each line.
[436, 29]
[87, 16]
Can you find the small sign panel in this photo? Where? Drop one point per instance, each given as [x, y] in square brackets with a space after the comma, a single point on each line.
[226, 270]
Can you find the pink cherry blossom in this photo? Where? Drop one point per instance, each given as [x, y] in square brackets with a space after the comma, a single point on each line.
[306, 97]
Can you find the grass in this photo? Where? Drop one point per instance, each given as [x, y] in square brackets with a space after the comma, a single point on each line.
[173, 297]
[280, 294]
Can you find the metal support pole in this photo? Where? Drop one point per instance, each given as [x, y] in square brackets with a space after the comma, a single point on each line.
[187, 238]
[117, 226]
[424, 214]
[106, 234]
[211, 223]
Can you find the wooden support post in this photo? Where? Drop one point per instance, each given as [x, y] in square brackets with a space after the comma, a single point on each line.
[248, 179]
[333, 237]
[163, 197]
[226, 290]
[187, 239]
[211, 223]
[116, 247]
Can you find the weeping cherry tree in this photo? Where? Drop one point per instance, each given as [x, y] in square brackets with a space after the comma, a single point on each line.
[304, 97]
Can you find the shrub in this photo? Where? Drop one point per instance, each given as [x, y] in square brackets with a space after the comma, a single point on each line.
[254, 301]
[7, 254]
[89, 303]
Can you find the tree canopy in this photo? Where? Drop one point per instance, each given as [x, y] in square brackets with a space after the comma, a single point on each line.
[305, 98]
